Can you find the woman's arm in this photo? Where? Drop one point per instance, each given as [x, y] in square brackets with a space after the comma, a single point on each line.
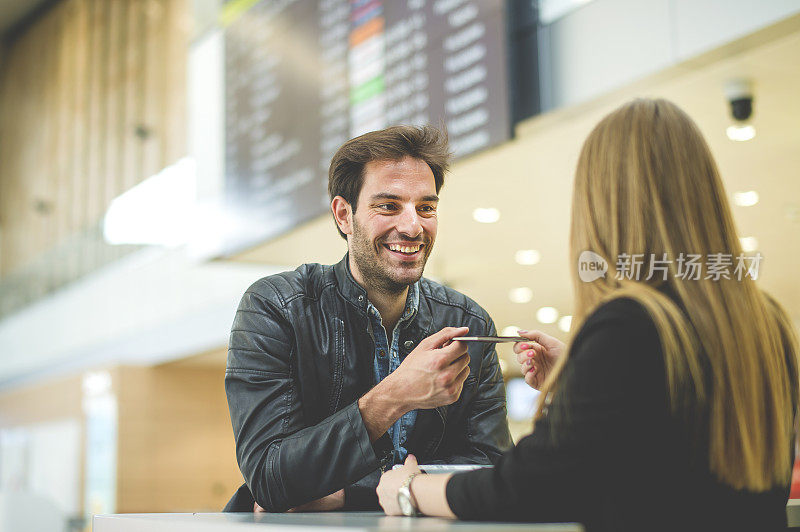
[610, 401]
[428, 491]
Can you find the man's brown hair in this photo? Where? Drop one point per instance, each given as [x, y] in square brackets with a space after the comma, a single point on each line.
[346, 173]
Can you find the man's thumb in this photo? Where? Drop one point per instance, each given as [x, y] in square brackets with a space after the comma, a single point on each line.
[444, 336]
[411, 460]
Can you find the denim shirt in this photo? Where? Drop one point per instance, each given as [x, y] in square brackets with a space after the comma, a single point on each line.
[387, 359]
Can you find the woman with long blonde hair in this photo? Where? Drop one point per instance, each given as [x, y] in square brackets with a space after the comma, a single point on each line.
[674, 407]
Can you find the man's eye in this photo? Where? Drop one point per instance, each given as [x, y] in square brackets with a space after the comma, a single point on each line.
[386, 206]
[427, 208]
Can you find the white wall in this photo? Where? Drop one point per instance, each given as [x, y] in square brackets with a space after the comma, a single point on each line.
[146, 308]
[607, 44]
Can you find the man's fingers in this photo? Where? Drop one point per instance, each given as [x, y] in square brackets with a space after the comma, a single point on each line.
[456, 373]
[445, 335]
[458, 365]
[462, 376]
[411, 460]
[455, 363]
[453, 352]
[334, 501]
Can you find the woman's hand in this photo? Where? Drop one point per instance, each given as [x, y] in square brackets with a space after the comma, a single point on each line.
[390, 484]
[537, 357]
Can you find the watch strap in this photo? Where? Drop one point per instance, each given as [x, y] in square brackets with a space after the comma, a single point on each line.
[406, 487]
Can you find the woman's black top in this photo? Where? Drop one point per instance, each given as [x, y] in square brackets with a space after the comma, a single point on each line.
[614, 458]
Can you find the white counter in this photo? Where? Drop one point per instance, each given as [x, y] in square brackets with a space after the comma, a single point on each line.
[306, 522]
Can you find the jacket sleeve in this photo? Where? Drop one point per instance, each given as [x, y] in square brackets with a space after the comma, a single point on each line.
[284, 462]
[484, 435]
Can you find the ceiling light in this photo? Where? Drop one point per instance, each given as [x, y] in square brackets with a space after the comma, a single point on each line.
[565, 323]
[741, 133]
[169, 199]
[746, 199]
[527, 257]
[511, 330]
[547, 315]
[486, 215]
[523, 294]
[749, 243]
[96, 383]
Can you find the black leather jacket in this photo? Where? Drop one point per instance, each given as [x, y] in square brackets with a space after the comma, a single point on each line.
[301, 354]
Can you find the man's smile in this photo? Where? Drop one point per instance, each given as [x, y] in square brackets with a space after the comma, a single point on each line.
[405, 250]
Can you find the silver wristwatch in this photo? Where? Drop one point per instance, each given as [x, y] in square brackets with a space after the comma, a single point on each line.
[404, 498]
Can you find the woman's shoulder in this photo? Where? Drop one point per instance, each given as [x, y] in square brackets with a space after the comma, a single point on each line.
[620, 330]
[625, 312]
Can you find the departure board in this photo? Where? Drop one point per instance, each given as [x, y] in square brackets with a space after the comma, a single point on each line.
[304, 76]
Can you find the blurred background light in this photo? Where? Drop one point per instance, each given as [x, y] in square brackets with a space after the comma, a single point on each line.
[547, 315]
[741, 133]
[527, 257]
[522, 294]
[749, 244]
[96, 383]
[486, 215]
[745, 199]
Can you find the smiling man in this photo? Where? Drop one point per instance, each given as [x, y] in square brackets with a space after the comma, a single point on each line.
[338, 372]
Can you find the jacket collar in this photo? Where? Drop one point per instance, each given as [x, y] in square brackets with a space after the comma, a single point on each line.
[348, 287]
[420, 326]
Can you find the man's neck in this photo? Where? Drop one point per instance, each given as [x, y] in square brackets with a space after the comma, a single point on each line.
[390, 305]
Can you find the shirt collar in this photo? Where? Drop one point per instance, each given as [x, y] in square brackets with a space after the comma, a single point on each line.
[412, 303]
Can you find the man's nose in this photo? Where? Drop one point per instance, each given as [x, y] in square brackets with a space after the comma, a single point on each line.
[409, 223]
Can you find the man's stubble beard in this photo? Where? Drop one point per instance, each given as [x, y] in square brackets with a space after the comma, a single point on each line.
[368, 261]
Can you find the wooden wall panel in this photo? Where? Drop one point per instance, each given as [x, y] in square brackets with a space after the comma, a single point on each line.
[92, 101]
[176, 446]
[42, 402]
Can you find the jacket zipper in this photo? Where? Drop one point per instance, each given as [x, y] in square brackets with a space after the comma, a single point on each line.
[338, 377]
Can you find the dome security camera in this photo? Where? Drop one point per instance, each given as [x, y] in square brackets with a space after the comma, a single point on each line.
[739, 93]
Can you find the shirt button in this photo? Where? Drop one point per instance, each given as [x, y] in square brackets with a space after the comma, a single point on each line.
[408, 344]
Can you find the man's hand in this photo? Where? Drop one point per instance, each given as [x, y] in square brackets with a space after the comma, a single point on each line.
[431, 375]
[537, 357]
[329, 503]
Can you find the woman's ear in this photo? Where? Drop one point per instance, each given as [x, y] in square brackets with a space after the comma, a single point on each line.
[343, 214]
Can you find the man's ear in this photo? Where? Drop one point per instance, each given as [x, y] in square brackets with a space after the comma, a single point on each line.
[343, 214]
